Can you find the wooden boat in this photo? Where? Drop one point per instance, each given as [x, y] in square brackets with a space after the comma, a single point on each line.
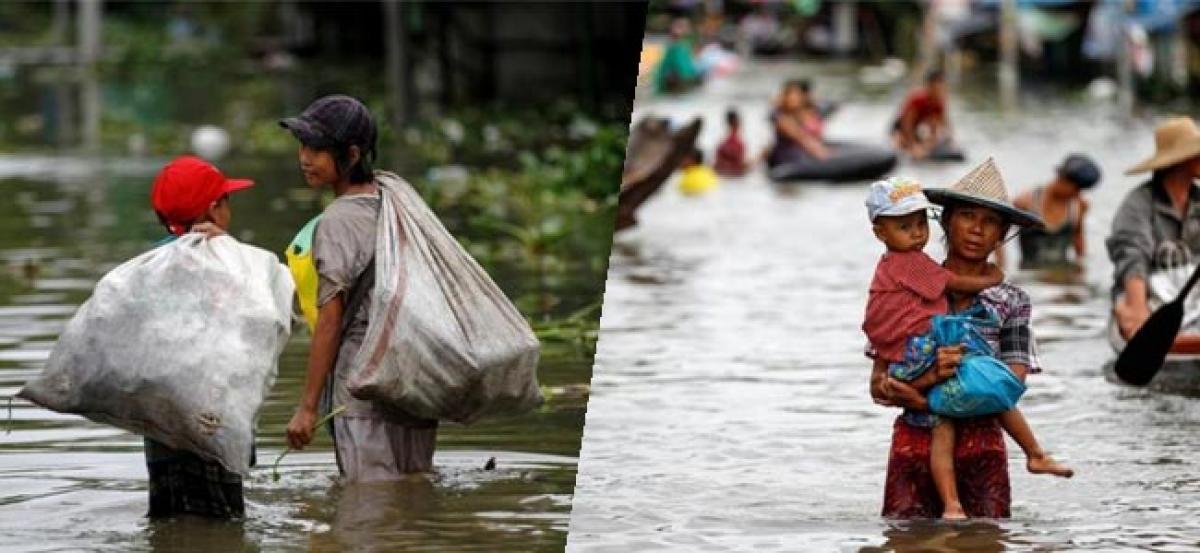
[653, 154]
[1180, 375]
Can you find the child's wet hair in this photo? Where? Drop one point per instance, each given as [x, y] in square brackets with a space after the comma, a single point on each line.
[732, 118]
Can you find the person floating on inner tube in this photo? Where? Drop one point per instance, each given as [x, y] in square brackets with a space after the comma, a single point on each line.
[1155, 235]
[923, 124]
[1062, 207]
[799, 128]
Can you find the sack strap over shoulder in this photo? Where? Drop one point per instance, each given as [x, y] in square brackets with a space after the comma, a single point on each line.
[358, 294]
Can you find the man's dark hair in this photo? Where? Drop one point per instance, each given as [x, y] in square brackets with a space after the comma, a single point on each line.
[732, 118]
[934, 76]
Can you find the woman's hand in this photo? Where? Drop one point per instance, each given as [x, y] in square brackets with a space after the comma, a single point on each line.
[948, 360]
[300, 428]
[901, 394]
[881, 391]
[889, 392]
[820, 151]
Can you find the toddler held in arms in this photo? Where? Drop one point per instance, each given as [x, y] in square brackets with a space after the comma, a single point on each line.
[907, 324]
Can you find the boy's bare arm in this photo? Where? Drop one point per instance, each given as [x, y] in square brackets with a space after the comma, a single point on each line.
[321, 355]
[973, 284]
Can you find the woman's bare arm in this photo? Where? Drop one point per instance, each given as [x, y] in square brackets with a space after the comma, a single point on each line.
[1020, 370]
[810, 143]
[1080, 242]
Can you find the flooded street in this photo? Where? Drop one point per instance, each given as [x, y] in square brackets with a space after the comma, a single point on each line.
[70, 484]
[729, 404]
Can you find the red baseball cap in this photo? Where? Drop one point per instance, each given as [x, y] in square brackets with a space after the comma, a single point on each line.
[186, 187]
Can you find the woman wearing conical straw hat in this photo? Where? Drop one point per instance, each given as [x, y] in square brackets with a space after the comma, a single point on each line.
[977, 215]
[1157, 229]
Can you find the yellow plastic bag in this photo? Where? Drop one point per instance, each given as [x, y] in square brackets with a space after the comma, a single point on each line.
[304, 271]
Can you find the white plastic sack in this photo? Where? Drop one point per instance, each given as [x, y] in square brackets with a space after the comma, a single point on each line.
[443, 341]
[180, 344]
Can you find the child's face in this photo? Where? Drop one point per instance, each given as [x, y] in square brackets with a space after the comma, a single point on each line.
[903, 233]
[318, 166]
[220, 214]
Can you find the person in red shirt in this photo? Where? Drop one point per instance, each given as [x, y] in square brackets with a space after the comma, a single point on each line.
[731, 154]
[923, 124]
[908, 289]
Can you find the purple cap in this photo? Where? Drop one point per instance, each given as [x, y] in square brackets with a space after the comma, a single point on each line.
[337, 118]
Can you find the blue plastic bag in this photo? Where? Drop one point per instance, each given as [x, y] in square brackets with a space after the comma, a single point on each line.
[983, 385]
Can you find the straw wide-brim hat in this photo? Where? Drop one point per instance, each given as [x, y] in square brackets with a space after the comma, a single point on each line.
[984, 186]
[1175, 140]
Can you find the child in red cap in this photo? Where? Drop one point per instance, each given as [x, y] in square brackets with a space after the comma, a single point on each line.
[190, 195]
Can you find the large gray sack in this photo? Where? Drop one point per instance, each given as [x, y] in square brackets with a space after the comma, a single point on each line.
[180, 344]
[443, 341]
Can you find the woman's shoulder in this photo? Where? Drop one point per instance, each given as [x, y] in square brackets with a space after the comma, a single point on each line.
[1007, 299]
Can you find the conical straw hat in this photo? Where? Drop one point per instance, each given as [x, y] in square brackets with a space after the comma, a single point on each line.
[984, 186]
[1175, 140]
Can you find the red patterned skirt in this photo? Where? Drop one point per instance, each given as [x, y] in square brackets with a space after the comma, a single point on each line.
[980, 467]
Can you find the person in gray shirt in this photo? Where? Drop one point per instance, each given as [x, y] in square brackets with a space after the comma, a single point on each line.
[372, 443]
[1157, 226]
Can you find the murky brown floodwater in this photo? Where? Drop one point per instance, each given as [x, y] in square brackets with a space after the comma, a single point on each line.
[730, 406]
[69, 484]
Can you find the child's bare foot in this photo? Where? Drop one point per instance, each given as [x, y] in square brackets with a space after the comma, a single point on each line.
[1045, 465]
[954, 511]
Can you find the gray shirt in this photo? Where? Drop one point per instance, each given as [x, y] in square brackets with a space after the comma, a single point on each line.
[343, 246]
[1147, 232]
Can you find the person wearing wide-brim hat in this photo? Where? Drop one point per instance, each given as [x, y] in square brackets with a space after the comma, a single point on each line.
[1157, 226]
[976, 216]
[1062, 207]
[984, 187]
